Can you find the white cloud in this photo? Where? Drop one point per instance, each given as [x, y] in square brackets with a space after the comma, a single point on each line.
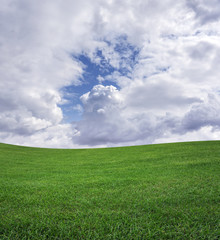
[168, 89]
[56, 136]
[112, 120]
[205, 11]
[203, 114]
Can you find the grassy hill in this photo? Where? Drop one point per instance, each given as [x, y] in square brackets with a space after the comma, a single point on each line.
[164, 191]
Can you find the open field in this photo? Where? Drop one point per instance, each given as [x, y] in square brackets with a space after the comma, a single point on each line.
[164, 191]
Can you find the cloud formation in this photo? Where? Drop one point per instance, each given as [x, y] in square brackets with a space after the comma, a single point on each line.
[162, 61]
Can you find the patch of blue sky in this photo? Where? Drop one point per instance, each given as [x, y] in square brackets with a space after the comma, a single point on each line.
[128, 55]
[90, 78]
[98, 72]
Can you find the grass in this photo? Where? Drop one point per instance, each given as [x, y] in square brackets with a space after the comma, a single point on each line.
[164, 191]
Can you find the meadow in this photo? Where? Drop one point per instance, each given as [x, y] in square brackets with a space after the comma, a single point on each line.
[163, 191]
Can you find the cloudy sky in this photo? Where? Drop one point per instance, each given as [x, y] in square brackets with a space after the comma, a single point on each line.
[82, 73]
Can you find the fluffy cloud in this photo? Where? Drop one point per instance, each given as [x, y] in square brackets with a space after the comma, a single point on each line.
[163, 56]
[112, 120]
[35, 65]
[59, 136]
[205, 11]
[204, 114]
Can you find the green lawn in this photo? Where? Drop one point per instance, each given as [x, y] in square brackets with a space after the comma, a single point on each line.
[164, 191]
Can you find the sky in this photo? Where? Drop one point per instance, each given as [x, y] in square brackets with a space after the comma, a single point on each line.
[105, 73]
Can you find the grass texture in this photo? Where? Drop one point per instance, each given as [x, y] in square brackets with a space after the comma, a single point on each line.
[164, 191]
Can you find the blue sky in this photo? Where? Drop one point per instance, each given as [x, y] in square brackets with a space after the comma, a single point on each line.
[90, 78]
[98, 73]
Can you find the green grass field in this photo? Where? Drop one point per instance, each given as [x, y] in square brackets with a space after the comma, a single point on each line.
[164, 191]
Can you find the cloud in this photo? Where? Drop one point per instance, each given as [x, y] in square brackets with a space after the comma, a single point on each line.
[110, 119]
[59, 136]
[205, 11]
[34, 66]
[203, 114]
[161, 56]
[101, 118]
[158, 93]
